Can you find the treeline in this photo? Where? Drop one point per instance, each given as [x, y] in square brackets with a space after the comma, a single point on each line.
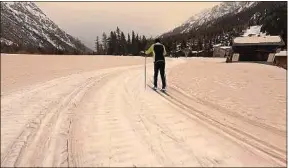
[274, 21]
[118, 44]
[196, 45]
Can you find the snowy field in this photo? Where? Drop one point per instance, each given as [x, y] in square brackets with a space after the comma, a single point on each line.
[95, 111]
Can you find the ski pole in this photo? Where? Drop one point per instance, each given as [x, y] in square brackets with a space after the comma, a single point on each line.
[145, 72]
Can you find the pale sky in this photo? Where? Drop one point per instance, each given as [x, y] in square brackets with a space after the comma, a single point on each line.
[86, 20]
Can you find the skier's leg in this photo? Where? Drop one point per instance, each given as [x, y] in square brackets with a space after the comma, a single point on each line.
[163, 75]
[156, 68]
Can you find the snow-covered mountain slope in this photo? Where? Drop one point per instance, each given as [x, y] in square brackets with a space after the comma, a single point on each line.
[24, 24]
[209, 15]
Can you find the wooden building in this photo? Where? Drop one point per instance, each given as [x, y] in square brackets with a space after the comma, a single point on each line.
[222, 51]
[280, 59]
[255, 48]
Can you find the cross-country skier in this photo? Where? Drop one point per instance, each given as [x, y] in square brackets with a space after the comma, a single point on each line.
[159, 53]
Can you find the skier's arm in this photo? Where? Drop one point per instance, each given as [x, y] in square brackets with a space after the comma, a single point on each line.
[150, 50]
[164, 50]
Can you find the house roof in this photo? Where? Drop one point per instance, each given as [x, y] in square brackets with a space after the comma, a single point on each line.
[217, 45]
[225, 47]
[281, 54]
[197, 51]
[258, 40]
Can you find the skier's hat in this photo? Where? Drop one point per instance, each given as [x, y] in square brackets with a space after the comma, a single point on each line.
[157, 40]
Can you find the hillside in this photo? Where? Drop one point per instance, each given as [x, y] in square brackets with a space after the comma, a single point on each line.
[222, 23]
[210, 15]
[25, 28]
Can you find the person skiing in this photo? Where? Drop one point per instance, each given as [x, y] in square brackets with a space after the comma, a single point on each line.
[159, 53]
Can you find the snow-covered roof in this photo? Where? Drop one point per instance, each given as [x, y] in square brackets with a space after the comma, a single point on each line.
[225, 47]
[197, 51]
[281, 54]
[258, 40]
[217, 45]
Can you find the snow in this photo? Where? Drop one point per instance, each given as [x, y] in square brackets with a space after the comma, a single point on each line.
[250, 4]
[226, 47]
[240, 9]
[9, 5]
[195, 52]
[217, 45]
[33, 37]
[33, 9]
[100, 107]
[254, 30]
[258, 40]
[211, 14]
[40, 45]
[7, 42]
[281, 54]
[65, 41]
[49, 40]
[253, 90]
[43, 34]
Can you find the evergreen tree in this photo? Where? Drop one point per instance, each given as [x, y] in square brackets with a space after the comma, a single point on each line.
[133, 44]
[144, 43]
[118, 44]
[199, 45]
[123, 44]
[275, 21]
[129, 44]
[105, 43]
[101, 49]
[138, 45]
[183, 45]
[97, 45]
[111, 44]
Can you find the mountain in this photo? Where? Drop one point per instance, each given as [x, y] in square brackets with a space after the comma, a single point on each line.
[222, 23]
[210, 15]
[25, 28]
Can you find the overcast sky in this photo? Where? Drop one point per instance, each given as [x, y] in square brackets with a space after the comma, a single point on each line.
[86, 20]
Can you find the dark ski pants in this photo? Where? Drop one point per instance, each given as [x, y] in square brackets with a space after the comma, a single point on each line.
[159, 66]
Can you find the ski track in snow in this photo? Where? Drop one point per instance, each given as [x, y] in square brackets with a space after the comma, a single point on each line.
[107, 118]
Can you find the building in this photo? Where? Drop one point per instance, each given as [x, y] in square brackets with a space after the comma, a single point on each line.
[197, 53]
[280, 59]
[255, 48]
[222, 51]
